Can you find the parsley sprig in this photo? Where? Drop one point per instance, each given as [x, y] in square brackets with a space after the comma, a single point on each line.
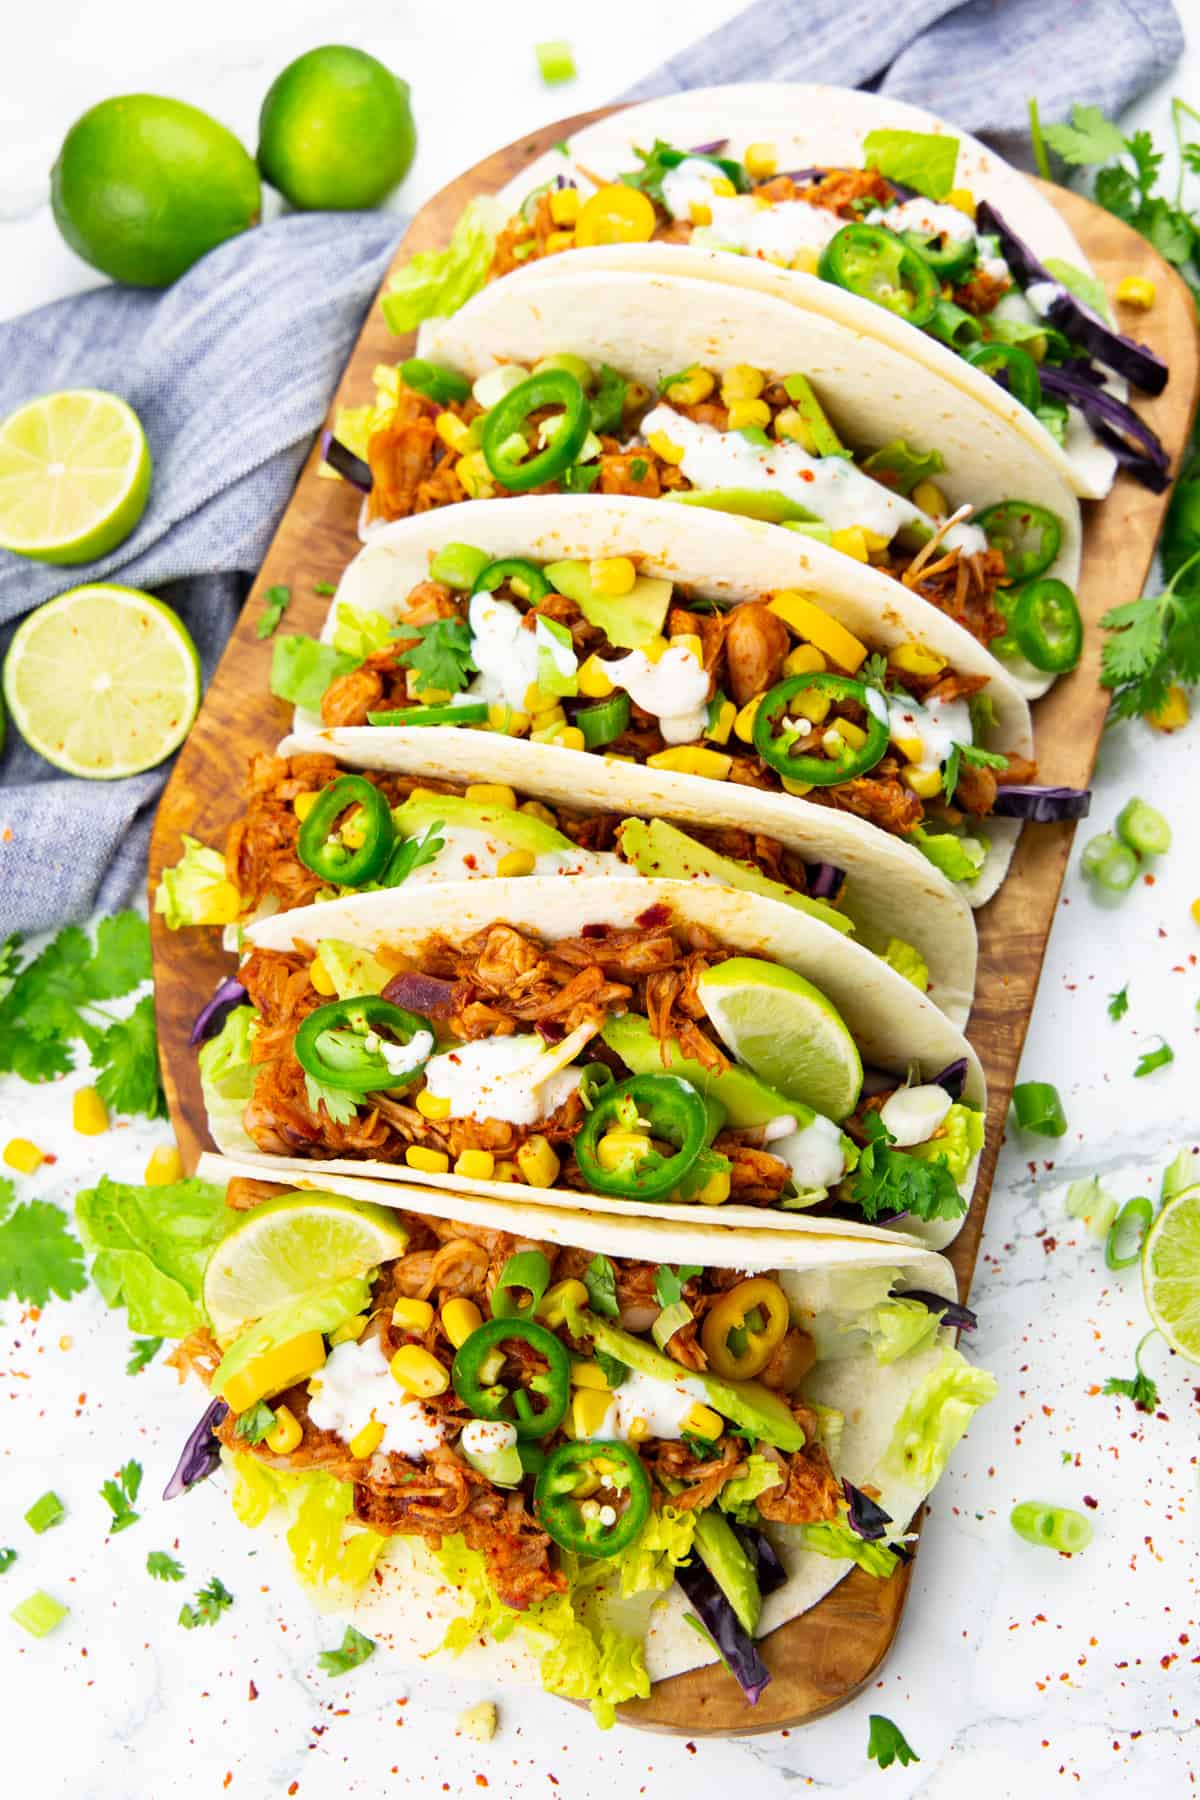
[210, 1602]
[890, 1181]
[120, 1493]
[163, 1567]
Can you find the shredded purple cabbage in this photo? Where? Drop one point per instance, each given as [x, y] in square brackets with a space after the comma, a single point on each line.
[867, 1517]
[713, 149]
[824, 880]
[214, 1013]
[961, 1318]
[350, 467]
[721, 1622]
[201, 1454]
[807, 176]
[561, 181]
[1042, 805]
[768, 1569]
[953, 1078]
[1114, 423]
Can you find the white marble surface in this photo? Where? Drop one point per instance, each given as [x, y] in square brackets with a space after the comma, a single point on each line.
[1015, 1672]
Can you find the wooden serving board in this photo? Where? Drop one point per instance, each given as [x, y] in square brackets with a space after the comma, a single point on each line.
[822, 1659]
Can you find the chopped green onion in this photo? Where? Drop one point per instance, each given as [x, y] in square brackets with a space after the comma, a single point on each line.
[324, 587]
[555, 62]
[44, 1513]
[1143, 828]
[8, 1557]
[39, 1614]
[1132, 1222]
[1089, 1201]
[670, 1320]
[1109, 863]
[528, 1273]
[1039, 1109]
[595, 1078]
[459, 565]
[1053, 1527]
[1181, 1173]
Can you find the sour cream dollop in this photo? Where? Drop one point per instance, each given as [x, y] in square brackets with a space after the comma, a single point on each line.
[490, 1079]
[674, 689]
[355, 1387]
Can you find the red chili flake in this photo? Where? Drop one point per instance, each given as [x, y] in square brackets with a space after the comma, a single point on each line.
[471, 861]
[1149, 880]
[481, 1781]
[253, 1692]
[807, 475]
[596, 931]
[1049, 1244]
[653, 917]
[228, 1781]
[294, 1788]
[552, 1031]
[1088, 1500]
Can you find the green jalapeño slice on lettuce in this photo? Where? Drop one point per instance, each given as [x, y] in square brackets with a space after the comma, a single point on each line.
[566, 1443]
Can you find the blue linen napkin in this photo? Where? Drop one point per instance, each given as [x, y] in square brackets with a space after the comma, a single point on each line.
[231, 369]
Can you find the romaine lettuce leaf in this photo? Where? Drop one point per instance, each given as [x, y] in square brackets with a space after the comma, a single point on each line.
[737, 1497]
[358, 633]
[840, 1542]
[196, 890]
[327, 1556]
[900, 468]
[924, 160]
[959, 859]
[936, 1414]
[151, 1246]
[435, 283]
[898, 1327]
[302, 669]
[962, 1142]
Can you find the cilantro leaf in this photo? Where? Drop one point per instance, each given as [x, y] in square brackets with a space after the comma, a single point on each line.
[1154, 1059]
[1154, 641]
[121, 958]
[354, 1650]
[8, 1557]
[163, 1567]
[661, 158]
[608, 402]
[276, 601]
[668, 1283]
[1118, 1003]
[442, 659]
[1139, 1388]
[886, 1743]
[411, 853]
[874, 671]
[120, 1493]
[1089, 138]
[127, 1057]
[38, 1255]
[142, 1351]
[600, 1280]
[324, 587]
[888, 1180]
[48, 1001]
[210, 1602]
[339, 1105]
[972, 754]
[254, 1424]
[614, 1371]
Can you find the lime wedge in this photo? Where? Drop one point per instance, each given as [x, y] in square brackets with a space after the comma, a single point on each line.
[104, 681]
[74, 476]
[786, 1030]
[289, 1248]
[1171, 1273]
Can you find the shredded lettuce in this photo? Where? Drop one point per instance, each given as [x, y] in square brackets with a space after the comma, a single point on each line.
[1085, 287]
[190, 892]
[435, 283]
[830, 1426]
[924, 160]
[302, 669]
[737, 1497]
[935, 1415]
[841, 1542]
[959, 1147]
[226, 1074]
[329, 1554]
[898, 1327]
[649, 1564]
[358, 633]
[959, 858]
[908, 962]
[151, 1246]
[351, 969]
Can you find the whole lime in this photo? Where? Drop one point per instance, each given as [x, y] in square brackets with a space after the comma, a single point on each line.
[144, 187]
[336, 131]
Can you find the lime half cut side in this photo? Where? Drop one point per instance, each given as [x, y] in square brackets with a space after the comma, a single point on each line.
[786, 1030]
[102, 682]
[1171, 1273]
[74, 476]
[293, 1246]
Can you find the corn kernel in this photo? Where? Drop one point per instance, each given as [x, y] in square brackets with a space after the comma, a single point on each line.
[912, 749]
[805, 659]
[505, 1170]
[716, 1189]
[1195, 909]
[722, 725]
[743, 725]
[320, 977]
[806, 260]
[638, 1430]
[564, 206]
[276, 1369]
[811, 705]
[1174, 711]
[794, 427]
[459, 1319]
[662, 446]
[428, 696]
[418, 1371]
[760, 160]
[743, 414]
[89, 1115]
[589, 1375]
[693, 759]
[476, 478]
[537, 1162]
[454, 432]
[366, 1442]
[589, 1409]
[432, 1106]
[516, 862]
[430, 1162]
[930, 498]
[570, 738]
[689, 642]
[593, 681]
[851, 542]
[699, 213]
[926, 783]
[742, 383]
[851, 734]
[722, 185]
[285, 1435]
[353, 831]
[559, 240]
[816, 626]
[563, 1298]
[492, 793]
[538, 701]
[797, 788]
[874, 541]
[479, 1722]
[551, 715]
[1136, 290]
[164, 1168]
[617, 1148]
[612, 575]
[690, 386]
[963, 199]
[537, 810]
[703, 1422]
[476, 1165]
[915, 659]
[618, 756]
[507, 720]
[303, 804]
[655, 648]
[415, 1316]
[350, 1330]
[23, 1156]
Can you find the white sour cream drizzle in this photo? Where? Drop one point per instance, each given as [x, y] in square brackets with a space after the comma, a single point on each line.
[490, 1078]
[936, 727]
[506, 654]
[812, 1152]
[913, 1114]
[402, 1059]
[674, 689]
[664, 1406]
[355, 1387]
[925, 216]
[777, 232]
[468, 854]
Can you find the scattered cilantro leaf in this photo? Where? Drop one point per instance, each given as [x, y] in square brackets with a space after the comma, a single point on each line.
[1066, 1456]
[324, 587]
[8, 1557]
[613, 1370]
[339, 1105]
[163, 1567]
[412, 853]
[120, 1493]
[1118, 1003]
[442, 659]
[141, 1352]
[38, 1255]
[668, 1283]
[1139, 1388]
[608, 402]
[210, 1602]
[51, 1001]
[1150, 1060]
[127, 1058]
[888, 1180]
[121, 958]
[354, 1650]
[600, 1280]
[254, 1424]
[886, 1743]
[1089, 138]
[1153, 641]
[276, 601]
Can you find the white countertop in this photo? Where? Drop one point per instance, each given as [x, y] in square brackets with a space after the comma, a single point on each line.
[1016, 1672]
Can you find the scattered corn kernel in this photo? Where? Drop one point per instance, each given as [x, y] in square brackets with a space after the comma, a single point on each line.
[564, 206]
[366, 1442]
[413, 1315]
[930, 498]
[454, 432]
[569, 737]
[589, 1375]
[285, 1435]
[537, 810]
[617, 1148]
[275, 1370]
[693, 759]
[744, 723]
[563, 1298]
[320, 977]
[742, 382]
[703, 1422]
[915, 659]
[589, 1408]
[538, 701]
[805, 659]
[1136, 290]
[303, 804]
[492, 793]
[690, 386]
[516, 862]
[479, 1722]
[164, 1167]
[459, 1319]
[851, 734]
[537, 1162]
[476, 1165]
[89, 1115]
[505, 1170]
[963, 199]
[418, 1371]
[559, 240]
[552, 715]
[1196, 911]
[594, 683]
[350, 1330]
[926, 783]
[431, 1162]
[716, 1189]
[719, 729]
[743, 414]
[689, 642]
[507, 720]
[662, 446]
[432, 1106]
[760, 160]
[794, 427]
[851, 542]
[818, 627]
[699, 212]
[1174, 711]
[23, 1156]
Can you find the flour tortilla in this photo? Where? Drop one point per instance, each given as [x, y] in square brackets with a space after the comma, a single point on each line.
[895, 1027]
[412, 1607]
[728, 559]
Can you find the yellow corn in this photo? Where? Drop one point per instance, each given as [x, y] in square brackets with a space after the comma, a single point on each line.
[569, 737]
[430, 696]
[418, 1372]
[516, 862]
[164, 1168]
[431, 1162]
[559, 240]
[504, 719]
[1195, 910]
[538, 702]
[432, 1106]
[616, 1148]
[797, 788]
[760, 161]
[538, 1163]
[366, 1442]
[559, 1300]
[589, 1375]
[930, 498]
[703, 1422]
[1174, 711]
[662, 446]
[655, 648]
[23, 1156]
[693, 759]
[454, 433]
[699, 213]
[275, 1370]
[925, 783]
[617, 756]
[564, 206]
[353, 832]
[911, 748]
[459, 1319]
[745, 413]
[742, 383]
[805, 659]
[963, 199]
[303, 804]
[851, 542]
[1136, 290]
[744, 723]
[550, 715]
[593, 681]
[806, 260]
[415, 1316]
[320, 977]
[723, 724]
[284, 1436]
[794, 427]
[689, 642]
[505, 1170]
[690, 386]
[492, 793]
[89, 1115]
[715, 1190]
[475, 476]
[588, 1411]
[638, 1430]
[851, 734]
[350, 1330]
[816, 626]
[476, 1165]
[812, 706]
[537, 810]
[915, 659]
[722, 185]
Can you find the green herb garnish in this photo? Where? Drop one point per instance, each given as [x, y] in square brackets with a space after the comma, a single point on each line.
[163, 1567]
[355, 1649]
[276, 601]
[209, 1604]
[887, 1744]
[120, 1494]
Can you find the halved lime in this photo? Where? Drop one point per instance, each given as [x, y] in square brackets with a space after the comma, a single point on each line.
[74, 476]
[786, 1029]
[102, 682]
[292, 1246]
[1171, 1273]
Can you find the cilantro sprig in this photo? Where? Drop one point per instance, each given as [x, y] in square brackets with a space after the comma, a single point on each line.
[1139, 1387]
[972, 754]
[120, 1493]
[1118, 1003]
[1154, 641]
[352, 1653]
[886, 1743]
[276, 601]
[38, 1255]
[889, 1181]
[211, 1601]
[254, 1424]
[442, 659]
[163, 1567]
[142, 1351]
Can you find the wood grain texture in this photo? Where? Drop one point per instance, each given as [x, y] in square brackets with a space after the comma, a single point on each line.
[822, 1659]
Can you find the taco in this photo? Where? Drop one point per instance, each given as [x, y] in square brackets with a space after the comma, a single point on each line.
[646, 654]
[663, 1047]
[540, 1440]
[875, 212]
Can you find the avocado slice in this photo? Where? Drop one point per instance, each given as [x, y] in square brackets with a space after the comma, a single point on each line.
[747, 1100]
[746, 1403]
[748, 503]
[353, 971]
[720, 1550]
[627, 620]
[654, 848]
[520, 830]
